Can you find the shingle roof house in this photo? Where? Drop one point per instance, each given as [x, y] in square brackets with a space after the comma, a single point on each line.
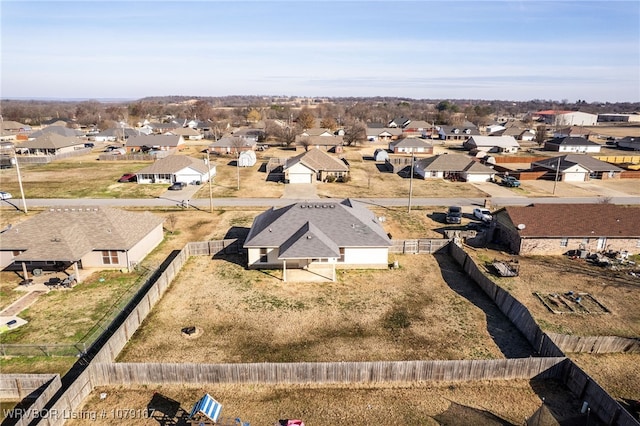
[342, 233]
[314, 164]
[411, 145]
[176, 168]
[577, 168]
[571, 144]
[82, 237]
[51, 144]
[453, 166]
[554, 229]
[160, 142]
[505, 144]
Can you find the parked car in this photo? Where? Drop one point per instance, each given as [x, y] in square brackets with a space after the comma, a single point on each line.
[177, 186]
[482, 214]
[510, 181]
[89, 145]
[5, 195]
[454, 214]
[128, 177]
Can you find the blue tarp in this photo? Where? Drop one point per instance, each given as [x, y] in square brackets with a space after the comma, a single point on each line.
[207, 406]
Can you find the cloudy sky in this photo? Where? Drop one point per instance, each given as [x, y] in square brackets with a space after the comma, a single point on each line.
[508, 50]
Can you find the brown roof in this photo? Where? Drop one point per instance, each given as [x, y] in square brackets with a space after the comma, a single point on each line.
[67, 234]
[318, 160]
[576, 220]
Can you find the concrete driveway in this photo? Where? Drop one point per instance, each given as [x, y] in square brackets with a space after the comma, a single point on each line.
[300, 191]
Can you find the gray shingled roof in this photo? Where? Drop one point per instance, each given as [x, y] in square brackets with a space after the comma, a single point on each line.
[410, 143]
[571, 141]
[318, 160]
[586, 161]
[445, 163]
[51, 141]
[153, 140]
[58, 130]
[68, 234]
[173, 164]
[330, 224]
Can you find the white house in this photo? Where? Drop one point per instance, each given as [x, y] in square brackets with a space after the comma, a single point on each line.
[176, 168]
[454, 167]
[337, 234]
[572, 144]
[502, 144]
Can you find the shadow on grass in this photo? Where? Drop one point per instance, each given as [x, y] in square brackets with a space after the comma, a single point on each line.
[506, 336]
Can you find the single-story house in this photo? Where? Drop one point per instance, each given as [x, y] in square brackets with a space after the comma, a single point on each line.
[313, 165]
[454, 167]
[80, 238]
[187, 133]
[317, 131]
[162, 128]
[233, 145]
[417, 129]
[156, 142]
[381, 133]
[495, 129]
[572, 131]
[554, 229]
[332, 143]
[113, 134]
[410, 145]
[399, 122]
[576, 168]
[56, 129]
[502, 144]
[50, 144]
[455, 133]
[247, 159]
[176, 168]
[571, 144]
[629, 142]
[343, 234]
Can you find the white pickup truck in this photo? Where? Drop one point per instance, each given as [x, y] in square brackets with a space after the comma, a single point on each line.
[482, 214]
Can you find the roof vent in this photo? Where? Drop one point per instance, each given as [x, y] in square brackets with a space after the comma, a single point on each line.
[521, 226]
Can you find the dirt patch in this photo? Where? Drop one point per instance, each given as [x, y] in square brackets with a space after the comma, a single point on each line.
[617, 290]
[475, 403]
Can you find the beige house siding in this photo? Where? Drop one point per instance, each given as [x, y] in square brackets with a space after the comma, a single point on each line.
[558, 246]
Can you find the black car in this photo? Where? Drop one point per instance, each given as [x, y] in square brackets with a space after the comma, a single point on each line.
[177, 186]
[454, 215]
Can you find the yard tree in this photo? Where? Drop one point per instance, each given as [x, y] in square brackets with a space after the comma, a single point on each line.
[306, 119]
[305, 142]
[354, 132]
[541, 131]
[236, 147]
[254, 116]
[329, 123]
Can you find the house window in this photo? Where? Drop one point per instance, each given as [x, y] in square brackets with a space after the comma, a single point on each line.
[638, 243]
[564, 242]
[263, 255]
[109, 257]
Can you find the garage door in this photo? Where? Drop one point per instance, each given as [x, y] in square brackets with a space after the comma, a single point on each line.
[300, 178]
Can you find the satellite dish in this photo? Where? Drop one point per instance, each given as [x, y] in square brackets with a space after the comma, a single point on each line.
[521, 226]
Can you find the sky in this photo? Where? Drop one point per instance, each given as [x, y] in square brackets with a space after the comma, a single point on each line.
[494, 50]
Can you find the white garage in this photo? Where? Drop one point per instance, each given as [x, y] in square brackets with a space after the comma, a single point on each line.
[299, 173]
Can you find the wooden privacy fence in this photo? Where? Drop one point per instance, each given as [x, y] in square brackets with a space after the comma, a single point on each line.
[595, 344]
[108, 374]
[40, 387]
[517, 313]
[212, 248]
[603, 405]
[420, 246]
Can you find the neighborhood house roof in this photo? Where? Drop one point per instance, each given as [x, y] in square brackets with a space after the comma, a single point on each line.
[173, 164]
[571, 141]
[576, 220]
[410, 143]
[303, 227]
[233, 142]
[317, 160]
[154, 140]
[60, 130]
[51, 141]
[70, 233]
[493, 141]
[446, 163]
[586, 161]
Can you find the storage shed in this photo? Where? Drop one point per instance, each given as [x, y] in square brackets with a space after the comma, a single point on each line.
[381, 155]
[247, 159]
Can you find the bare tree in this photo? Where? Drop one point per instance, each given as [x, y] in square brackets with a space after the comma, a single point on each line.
[541, 134]
[305, 142]
[306, 119]
[236, 147]
[171, 222]
[354, 132]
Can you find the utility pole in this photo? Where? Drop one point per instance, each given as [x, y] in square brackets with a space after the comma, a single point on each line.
[411, 181]
[210, 183]
[555, 182]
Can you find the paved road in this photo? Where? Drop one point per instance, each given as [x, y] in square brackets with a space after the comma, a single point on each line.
[204, 203]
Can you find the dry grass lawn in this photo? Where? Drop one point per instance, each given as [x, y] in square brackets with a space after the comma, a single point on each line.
[474, 403]
[252, 316]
